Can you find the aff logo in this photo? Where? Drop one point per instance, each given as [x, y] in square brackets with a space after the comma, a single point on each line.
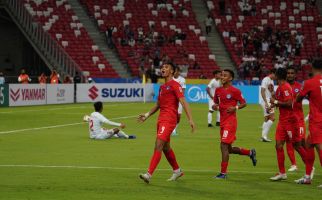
[14, 95]
[93, 92]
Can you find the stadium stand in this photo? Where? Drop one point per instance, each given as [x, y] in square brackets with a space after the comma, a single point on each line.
[292, 30]
[60, 21]
[146, 28]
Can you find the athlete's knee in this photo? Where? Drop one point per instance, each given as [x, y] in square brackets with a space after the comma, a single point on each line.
[159, 145]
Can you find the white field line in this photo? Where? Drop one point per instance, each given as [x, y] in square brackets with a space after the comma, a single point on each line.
[57, 126]
[126, 168]
[60, 108]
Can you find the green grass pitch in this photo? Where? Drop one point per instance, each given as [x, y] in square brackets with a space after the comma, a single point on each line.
[62, 163]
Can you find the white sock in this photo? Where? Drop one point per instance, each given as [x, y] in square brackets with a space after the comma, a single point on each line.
[121, 134]
[266, 128]
[209, 117]
[263, 128]
[218, 116]
[175, 129]
[177, 170]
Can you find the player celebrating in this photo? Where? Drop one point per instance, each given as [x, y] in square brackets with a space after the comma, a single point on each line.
[226, 99]
[170, 94]
[182, 82]
[287, 128]
[313, 90]
[214, 83]
[298, 111]
[96, 119]
[267, 90]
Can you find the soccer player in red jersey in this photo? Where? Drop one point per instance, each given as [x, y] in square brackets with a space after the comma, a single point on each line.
[312, 89]
[287, 127]
[170, 94]
[298, 111]
[226, 99]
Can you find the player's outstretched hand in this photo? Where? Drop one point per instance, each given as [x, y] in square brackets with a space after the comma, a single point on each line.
[122, 125]
[141, 118]
[231, 109]
[192, 125]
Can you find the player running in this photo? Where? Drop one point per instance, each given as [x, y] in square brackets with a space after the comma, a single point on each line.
[95, 121]
[226, 99]
[182, 81]
[267, 90]
[170, 94]
[287, 127]
[313, 90]
[214, 83]
[298, 111]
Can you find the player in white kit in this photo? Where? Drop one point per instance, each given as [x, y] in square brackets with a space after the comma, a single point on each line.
[96, 120]
[267, 91]
[182, 81]
[214, 83]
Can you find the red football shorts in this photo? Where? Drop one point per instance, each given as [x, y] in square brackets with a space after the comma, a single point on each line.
[288, 132]
[302, 129]
[228, 133]
[164, 130]
[315, 136]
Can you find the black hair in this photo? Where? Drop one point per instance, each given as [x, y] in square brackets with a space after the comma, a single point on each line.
[216, 72]
[291, 68]
[98, 106]
[272, 71]
[281, 73]
[232, 74]
[174, 67]
[317, 63]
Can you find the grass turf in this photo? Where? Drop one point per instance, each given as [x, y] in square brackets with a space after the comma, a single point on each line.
[62, 163]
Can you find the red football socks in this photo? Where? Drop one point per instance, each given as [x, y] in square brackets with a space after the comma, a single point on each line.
[154, 161]
[280, 159]
[244, 152]
[224, 166]
[290, 152]
[310, 157]
[302, 153]
[172, 159]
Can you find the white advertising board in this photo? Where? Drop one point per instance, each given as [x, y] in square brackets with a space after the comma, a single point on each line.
[60, 93]
[127, 92]
[27, 94]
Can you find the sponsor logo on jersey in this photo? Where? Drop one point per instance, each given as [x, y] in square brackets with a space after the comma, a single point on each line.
[228, 96]
[296, 90]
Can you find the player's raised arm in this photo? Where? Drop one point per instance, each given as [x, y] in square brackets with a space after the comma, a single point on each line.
[187, 110]
[144, 116]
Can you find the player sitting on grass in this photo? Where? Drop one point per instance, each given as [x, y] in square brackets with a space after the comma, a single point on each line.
[226, 100]
[95, 121]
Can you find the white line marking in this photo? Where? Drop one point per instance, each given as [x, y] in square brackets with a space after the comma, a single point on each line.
[130, 168]
[59, 108]
[57, 126]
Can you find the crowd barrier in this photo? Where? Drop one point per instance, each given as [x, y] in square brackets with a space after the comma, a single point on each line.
[36, 94]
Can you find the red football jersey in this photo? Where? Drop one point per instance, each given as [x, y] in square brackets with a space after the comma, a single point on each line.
[169, 95]
[283, 94]
[225, 98]
[297, 106]
[313, 89]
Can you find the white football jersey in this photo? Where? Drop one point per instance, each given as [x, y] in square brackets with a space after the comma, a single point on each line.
[96, 121]
[266, 83]
[181, 81]
[213, 84]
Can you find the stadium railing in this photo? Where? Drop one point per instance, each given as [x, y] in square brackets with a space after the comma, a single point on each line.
[52, 53]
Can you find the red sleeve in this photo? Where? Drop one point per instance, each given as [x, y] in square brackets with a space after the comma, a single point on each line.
[216, 99]
[178, 91]
[239, 97]
[306, 89]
